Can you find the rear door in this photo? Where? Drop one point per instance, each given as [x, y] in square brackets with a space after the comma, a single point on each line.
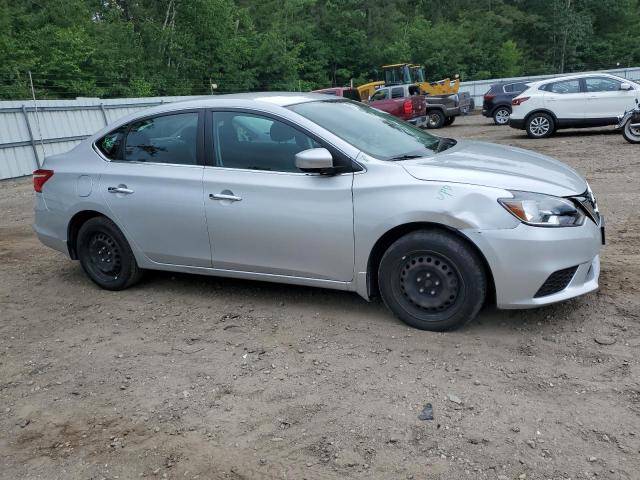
[565, 99]
[153, 186]
[605, 99]
[382, 101]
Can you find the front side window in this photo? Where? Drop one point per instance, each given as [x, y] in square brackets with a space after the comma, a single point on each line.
[565, 86]
[374, 132]
[163, 139]
[600, 84]
[380, 95]
[254, 142]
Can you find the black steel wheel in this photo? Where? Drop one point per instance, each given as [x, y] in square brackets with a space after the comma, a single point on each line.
[432, 280]
[105, 255]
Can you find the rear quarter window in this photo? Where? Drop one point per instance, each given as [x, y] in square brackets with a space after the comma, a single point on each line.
[110, 145]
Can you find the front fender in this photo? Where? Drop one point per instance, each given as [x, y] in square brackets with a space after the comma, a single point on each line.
[386, 196]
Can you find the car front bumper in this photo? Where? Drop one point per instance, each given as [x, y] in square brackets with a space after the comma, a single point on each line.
[523, 259]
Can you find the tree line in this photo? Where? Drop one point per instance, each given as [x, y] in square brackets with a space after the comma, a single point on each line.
[123, 48]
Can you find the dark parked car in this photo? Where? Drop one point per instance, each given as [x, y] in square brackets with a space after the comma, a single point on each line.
[346, 92]
[497, 101]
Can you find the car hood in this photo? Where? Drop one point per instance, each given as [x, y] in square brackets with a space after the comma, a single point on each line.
[499, 166]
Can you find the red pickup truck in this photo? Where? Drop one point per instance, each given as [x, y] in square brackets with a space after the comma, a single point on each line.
[402, 101]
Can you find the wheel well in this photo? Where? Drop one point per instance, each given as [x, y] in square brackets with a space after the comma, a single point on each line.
[385, 241]
[542, 110]
[74, 227]
[508, 107]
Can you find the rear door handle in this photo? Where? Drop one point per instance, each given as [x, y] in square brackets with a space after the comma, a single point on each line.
[224, 196]
[124, 190]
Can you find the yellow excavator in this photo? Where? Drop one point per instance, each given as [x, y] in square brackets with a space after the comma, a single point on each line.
[402, 73]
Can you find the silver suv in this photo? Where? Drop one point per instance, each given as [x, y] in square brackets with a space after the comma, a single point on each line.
[321, 191]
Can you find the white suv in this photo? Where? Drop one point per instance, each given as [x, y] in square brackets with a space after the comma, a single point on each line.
[586, 100]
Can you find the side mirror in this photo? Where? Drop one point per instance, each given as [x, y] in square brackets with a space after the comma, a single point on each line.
[626, 86]
[314, 160]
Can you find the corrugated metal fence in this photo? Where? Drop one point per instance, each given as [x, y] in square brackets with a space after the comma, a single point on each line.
[26, 137]
[478, 88]
[58, 126]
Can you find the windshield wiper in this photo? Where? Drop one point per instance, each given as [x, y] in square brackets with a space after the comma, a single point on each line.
[406, 157]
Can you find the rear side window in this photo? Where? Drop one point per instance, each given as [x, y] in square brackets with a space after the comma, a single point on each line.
[562, 87]
[110, 145]
[163, 139]
[520, 87]
[509, 87]
[397, 92]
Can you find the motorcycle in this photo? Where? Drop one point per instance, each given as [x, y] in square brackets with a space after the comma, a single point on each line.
[629, 123]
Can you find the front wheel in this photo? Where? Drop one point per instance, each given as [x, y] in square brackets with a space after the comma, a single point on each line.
[435, 119]
[105, 255]
[540, 125]
[631, 134]
[432, 280]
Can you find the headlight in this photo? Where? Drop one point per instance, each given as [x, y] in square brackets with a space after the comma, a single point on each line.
[543, 210]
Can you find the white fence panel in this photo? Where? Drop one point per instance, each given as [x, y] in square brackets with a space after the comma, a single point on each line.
[26, 137]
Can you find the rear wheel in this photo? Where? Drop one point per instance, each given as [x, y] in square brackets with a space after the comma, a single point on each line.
[105, 255]
[432, 280]
[631, 134]
[449, 120]
[501, 116]
[435, 119]
[540, 125]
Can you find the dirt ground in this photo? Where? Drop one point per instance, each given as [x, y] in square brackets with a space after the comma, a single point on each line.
[193, 377]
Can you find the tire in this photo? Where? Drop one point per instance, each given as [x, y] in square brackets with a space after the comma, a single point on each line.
[631, 135]
[435, 119]
[449, 120]
[540, 125]
[432, 280]
[105, 255]
[501, 116]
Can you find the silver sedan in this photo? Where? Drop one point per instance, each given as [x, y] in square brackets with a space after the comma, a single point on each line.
[313, 190]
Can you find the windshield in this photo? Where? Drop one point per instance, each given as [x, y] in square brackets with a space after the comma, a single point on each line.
[374, 132]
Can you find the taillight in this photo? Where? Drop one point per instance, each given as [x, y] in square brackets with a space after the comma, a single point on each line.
[519, 101]
[40, 177]
[488, 97]
[408, 107]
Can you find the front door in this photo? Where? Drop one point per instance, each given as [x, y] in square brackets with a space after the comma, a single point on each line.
[266, 216]
[605, 99]
[153, 186]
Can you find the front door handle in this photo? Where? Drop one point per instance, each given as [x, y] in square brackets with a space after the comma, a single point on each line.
[224, 196]
[120, 189]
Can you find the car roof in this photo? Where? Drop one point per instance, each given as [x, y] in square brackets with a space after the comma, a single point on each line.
[262, 101]
[281, 99]
[575, 77]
